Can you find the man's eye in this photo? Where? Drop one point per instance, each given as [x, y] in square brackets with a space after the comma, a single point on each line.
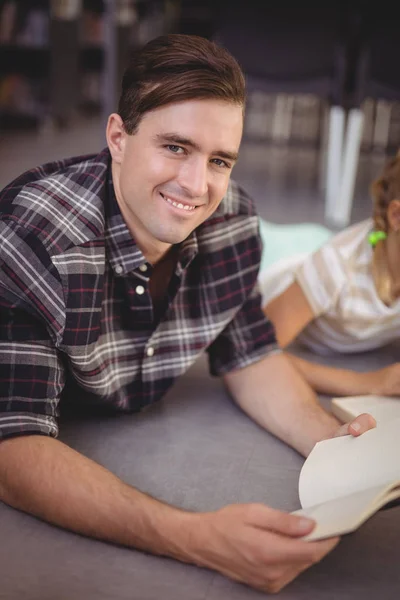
[221, 163]
[175, 149]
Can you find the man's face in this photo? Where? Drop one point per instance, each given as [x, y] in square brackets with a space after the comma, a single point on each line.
[171, 175]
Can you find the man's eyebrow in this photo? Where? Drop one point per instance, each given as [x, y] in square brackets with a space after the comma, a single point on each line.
[179, 140]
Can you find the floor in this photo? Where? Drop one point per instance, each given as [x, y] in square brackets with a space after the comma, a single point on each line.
[284, 180]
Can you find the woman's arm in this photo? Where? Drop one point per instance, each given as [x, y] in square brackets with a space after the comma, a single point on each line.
[344, 382]
[290, 313]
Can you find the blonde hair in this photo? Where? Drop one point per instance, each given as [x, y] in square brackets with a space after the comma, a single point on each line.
[383, 190]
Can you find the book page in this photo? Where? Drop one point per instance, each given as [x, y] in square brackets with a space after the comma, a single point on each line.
[344, 465]
[346, 513]
[380, 407]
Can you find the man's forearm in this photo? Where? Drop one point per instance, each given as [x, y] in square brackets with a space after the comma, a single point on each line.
[275, 395]
[249, 543]
[332, 381]
[46, 478]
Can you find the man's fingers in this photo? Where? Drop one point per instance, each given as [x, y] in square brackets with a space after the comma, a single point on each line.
[359, 425]
[264, 517]
[260, 546]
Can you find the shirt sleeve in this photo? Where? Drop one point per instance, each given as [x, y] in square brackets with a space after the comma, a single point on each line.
[322, 276]
[32, 374]
[249, 337]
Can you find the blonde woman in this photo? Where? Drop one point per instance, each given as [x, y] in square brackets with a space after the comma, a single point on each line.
[345, 296]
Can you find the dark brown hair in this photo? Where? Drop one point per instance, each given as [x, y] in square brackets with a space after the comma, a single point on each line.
[174, 68]
[383, 190]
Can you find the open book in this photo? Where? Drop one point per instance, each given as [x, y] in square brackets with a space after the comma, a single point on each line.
[380, 407]
[345, 480]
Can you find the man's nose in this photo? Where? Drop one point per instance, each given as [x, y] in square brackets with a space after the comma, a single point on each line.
[193, 177]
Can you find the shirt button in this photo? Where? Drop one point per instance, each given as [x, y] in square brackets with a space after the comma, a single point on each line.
[140, 290]
[118, 269]
[143, 268]
[150, 351]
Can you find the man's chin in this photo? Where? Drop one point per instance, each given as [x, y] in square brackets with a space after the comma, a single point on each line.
[174, 238]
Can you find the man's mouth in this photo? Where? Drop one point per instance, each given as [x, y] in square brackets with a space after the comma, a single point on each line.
[178, 204]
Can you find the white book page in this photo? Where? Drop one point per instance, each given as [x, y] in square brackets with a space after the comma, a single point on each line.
[344, 465]
[347, 513]
[380, 407]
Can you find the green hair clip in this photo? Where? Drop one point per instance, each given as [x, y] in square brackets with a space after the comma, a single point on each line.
[376, 236]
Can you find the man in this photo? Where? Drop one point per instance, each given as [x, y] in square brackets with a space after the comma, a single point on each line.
[118, 270]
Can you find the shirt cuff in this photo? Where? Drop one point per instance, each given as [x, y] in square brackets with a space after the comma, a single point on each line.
[14, 424]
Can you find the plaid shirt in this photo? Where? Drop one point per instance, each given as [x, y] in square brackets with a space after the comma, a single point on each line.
[76, 313]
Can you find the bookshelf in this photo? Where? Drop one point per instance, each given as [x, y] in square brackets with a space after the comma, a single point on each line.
[24, 61]
[55, 54]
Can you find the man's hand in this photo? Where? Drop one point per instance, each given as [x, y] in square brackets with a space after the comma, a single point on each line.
[276, 396]
[249, 543]
[257, 545]
[356, 427]
[386, 381]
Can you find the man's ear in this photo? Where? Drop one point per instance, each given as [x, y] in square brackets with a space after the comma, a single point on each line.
[394, 215]
[116, 135]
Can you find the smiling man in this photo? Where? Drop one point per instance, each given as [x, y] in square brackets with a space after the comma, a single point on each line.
[117, 272]
[182, 154]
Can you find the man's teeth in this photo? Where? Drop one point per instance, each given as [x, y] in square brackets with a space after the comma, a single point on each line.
[179, 204]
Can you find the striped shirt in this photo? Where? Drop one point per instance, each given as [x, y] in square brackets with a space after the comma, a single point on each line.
[338, 284]
[77, 318]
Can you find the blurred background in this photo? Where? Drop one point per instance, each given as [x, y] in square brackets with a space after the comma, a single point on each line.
[323, 108]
